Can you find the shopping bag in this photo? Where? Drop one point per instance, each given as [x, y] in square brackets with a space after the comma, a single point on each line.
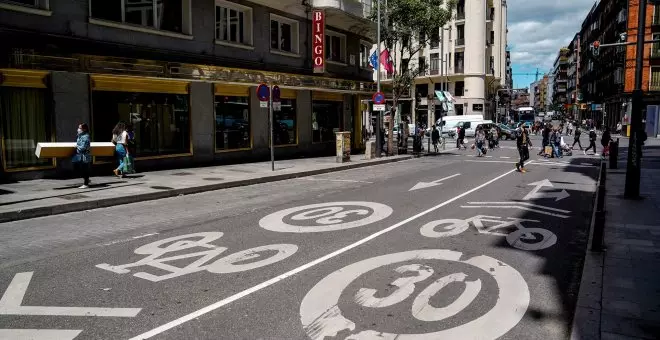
[548, 150]
[128, 165]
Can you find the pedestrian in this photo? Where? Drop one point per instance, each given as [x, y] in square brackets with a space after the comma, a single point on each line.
[576, 138]
[82, 159]
[480, 139]
[555, 140]
[460, 140]
[605, 140]
[494, 138]
[435, 137]
[120, 139]
[545, 134]
[619, 127]
[523, 143]
[592, 141]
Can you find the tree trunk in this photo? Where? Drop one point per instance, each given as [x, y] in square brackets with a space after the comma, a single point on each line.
[390, 129]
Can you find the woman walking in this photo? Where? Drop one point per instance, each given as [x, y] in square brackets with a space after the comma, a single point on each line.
[120, 139]
[82, 158]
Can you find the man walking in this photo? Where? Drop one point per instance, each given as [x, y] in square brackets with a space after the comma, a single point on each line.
[523, 143]
[576, 138]
[435, 137]
[592, 141]
[460, 138]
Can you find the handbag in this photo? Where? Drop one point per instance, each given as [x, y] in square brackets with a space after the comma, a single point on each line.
[80, 158]
[128, 165]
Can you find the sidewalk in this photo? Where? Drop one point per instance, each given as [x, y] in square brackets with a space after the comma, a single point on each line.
[29, 199]
[620, 290]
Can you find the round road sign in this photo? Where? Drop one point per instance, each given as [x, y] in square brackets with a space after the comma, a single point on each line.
[378, 98]
[263, 92]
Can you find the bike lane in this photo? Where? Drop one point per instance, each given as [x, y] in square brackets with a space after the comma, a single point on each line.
[435, 276]
[128, 287]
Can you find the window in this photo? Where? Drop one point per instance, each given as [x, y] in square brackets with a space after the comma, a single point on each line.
[421, 63]
[335, 47]
[435, 63]
[656, 15]
[326, 120]
[233, 23]
[283, 34]
[492, 37]
[655, 79]
[435, 40]
[459, 89]
[460, 31]
[478, 107]
[405, 65]
[365, 48]
[41, 4]
[655, 48]
[166, 15]
[458, 62]
[285, 123]
[422, 90]
[161, 121]
[232, 122]
[25, 121]
[448, 58]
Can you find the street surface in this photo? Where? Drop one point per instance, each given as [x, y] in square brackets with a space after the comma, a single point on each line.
[443, 247]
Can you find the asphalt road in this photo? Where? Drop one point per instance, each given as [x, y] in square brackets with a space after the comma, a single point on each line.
[476, 251]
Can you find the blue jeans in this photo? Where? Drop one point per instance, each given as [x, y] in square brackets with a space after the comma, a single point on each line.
[480, 146]
[557, 149]
[120, 150]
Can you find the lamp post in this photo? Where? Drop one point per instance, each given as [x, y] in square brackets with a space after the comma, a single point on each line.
[379, 114]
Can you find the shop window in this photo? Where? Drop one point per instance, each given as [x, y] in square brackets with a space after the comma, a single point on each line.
[232, 123]
[365, 48]
[161, 121]
[286, 123]
[335, 47]
[233, 23]
[25, 122]
[166, 15]
[326, 120]
[283, 34]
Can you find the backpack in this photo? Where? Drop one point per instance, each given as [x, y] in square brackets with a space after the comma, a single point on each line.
[592, 136]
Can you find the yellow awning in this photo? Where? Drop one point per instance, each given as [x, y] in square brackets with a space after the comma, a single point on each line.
[138, 84]
[23, 78]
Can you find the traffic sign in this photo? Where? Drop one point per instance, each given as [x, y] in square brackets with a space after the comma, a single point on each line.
[379, 98]
[263, 92]
[276, 93]
[379, 107]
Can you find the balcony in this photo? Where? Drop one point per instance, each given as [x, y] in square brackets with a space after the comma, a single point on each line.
[459, 69]
[353, 14]
[655, 50]
[460, 14]
[460, 42]
[434, 71]
[386, 76]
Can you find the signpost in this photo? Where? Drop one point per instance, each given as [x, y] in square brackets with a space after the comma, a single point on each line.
[266, 102]
[379, 101]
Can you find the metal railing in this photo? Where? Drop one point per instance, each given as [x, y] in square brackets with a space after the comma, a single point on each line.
[458, 69]
[460, 42]
[460, 15]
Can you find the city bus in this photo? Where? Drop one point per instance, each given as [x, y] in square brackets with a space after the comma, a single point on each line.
[526, 115]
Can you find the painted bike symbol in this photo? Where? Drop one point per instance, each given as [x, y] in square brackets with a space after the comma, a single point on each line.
[236, 262]
[321, 316]
[329, 216]
[522, 238]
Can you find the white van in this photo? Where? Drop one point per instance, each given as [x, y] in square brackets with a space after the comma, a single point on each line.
[450, 122]
[469, 122]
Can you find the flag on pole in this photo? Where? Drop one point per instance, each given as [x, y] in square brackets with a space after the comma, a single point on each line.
[373, 60]
[386, 61]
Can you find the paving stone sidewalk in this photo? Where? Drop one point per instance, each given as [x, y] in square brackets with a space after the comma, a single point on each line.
[620, 290]
[29, 199]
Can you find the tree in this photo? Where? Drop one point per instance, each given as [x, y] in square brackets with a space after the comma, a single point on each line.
[406, 27]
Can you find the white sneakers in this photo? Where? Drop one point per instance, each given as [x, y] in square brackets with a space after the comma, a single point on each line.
[83, 187]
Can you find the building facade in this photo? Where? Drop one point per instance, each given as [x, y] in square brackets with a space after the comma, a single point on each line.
[571, 77]
[183, 73]
[559, 79]
[466, 58]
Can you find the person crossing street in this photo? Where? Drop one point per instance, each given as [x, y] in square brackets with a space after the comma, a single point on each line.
[523, 143]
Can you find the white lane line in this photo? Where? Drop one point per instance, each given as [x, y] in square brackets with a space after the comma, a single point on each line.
[446, 178]
[505, 157]
[564, 164]
[489, 156]
[253, 289]
[333, 180]
[127, 240]
[525, 203]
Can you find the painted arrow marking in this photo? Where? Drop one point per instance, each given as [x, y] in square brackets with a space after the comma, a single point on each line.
[11, 301]
[535, 194]
[424, 185]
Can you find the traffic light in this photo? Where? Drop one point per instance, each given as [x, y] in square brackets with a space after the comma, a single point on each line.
[595, 47]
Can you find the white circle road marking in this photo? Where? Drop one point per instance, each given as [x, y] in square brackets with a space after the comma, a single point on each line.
[321, 316]
[328, 216]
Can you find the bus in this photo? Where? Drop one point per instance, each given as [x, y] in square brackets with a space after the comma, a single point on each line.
[526, 115]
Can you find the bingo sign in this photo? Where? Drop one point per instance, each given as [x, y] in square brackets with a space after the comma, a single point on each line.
[318, 41]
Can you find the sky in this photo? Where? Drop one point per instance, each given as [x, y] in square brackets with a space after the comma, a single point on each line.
[537, 30]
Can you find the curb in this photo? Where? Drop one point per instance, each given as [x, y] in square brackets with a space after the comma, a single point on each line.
[586, 316]
[115, 201]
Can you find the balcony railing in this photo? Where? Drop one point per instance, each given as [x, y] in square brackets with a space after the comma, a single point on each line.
[460, 14]
[655, 50]
[460, 42]
[458, 69]
[654, 87]
[386, 76]
[434, 71]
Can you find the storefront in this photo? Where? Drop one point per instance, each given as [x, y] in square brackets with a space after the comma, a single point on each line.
[157, 111]
[327, 108]
[25, 119]
[233, 129]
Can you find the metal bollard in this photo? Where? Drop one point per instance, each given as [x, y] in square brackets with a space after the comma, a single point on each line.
[614, 154]
[599, 220]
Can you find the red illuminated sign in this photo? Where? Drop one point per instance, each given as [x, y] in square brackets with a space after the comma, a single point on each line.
[318, 41]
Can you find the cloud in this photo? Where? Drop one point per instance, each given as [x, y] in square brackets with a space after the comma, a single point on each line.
[539, 28]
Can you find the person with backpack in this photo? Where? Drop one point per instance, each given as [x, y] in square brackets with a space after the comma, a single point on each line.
[592, 141]
[480, 140]
[523, 143]
[435, 138]
[460, 139]
[576, 138]
[605, 140]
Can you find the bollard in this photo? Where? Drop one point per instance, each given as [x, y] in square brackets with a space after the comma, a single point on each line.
[603, 174]
[614, 154]
[599, 218]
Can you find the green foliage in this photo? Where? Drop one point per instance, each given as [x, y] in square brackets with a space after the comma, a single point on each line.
[406, 27]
